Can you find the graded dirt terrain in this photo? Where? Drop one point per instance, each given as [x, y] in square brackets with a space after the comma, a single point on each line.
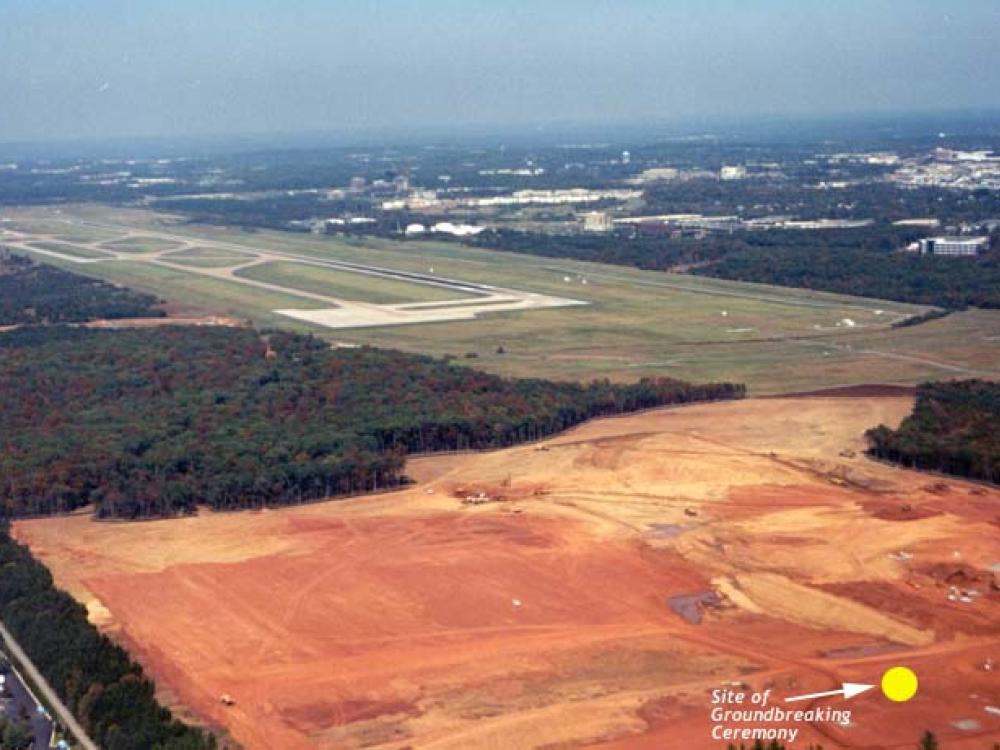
[589, 591]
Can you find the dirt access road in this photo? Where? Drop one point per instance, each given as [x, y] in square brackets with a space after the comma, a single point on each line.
[567, 614]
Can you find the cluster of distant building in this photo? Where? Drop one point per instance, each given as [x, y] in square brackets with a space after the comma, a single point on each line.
[942, 167]
[513, 171]
[336, 224]
[697, 224]
[949, 168]
[429, 199]
[602, 221]
[727, 172]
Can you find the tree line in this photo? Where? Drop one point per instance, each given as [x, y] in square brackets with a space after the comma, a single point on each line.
[34, 293]
[651, 253]
[864, 262]
[954, 429]
[154, 423]
[864, 197]
[100, 684]
[953, 283]
[15, 733]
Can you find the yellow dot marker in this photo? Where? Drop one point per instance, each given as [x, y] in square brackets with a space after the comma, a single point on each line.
[899, 684]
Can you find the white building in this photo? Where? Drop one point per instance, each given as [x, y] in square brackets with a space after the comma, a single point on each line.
[596, 221]
[732, 173]
[457, 230]
[659, 174]
[931, 223]
[953, 245]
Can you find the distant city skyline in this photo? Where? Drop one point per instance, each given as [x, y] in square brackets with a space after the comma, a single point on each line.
[110, 68]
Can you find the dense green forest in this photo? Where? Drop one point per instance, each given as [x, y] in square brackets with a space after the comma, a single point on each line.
[864, 262]
[15, 734]
[96, 679]
[954, 428]
[152, 423]
[953, 283]
[33, 293]
[653, 253]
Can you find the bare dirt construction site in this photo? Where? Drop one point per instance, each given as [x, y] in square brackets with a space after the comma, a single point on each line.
[589, 591]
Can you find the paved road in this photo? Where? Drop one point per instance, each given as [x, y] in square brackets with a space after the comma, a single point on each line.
[342, 313]
[16, 701]
[775, 297]
[46, 692]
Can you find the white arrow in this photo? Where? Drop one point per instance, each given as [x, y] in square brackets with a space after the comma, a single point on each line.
[848, 690]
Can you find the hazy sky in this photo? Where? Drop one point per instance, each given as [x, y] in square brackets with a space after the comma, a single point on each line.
[83, 68]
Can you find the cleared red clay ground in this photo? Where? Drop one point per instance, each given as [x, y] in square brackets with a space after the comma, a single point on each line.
[410, 620]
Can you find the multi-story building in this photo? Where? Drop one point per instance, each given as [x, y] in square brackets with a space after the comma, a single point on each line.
[953, 245]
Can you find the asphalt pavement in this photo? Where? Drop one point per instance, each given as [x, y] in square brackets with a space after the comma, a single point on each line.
[16, 703]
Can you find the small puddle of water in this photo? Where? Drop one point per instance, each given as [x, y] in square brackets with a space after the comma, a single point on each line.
[966, 725]
[665, 530]
[865, 649]
[688, 605]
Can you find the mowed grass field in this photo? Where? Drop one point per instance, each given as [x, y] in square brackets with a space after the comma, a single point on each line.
[636, 323]
[350, 286]
[208, 257]
[140, 245]
[207, 294]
